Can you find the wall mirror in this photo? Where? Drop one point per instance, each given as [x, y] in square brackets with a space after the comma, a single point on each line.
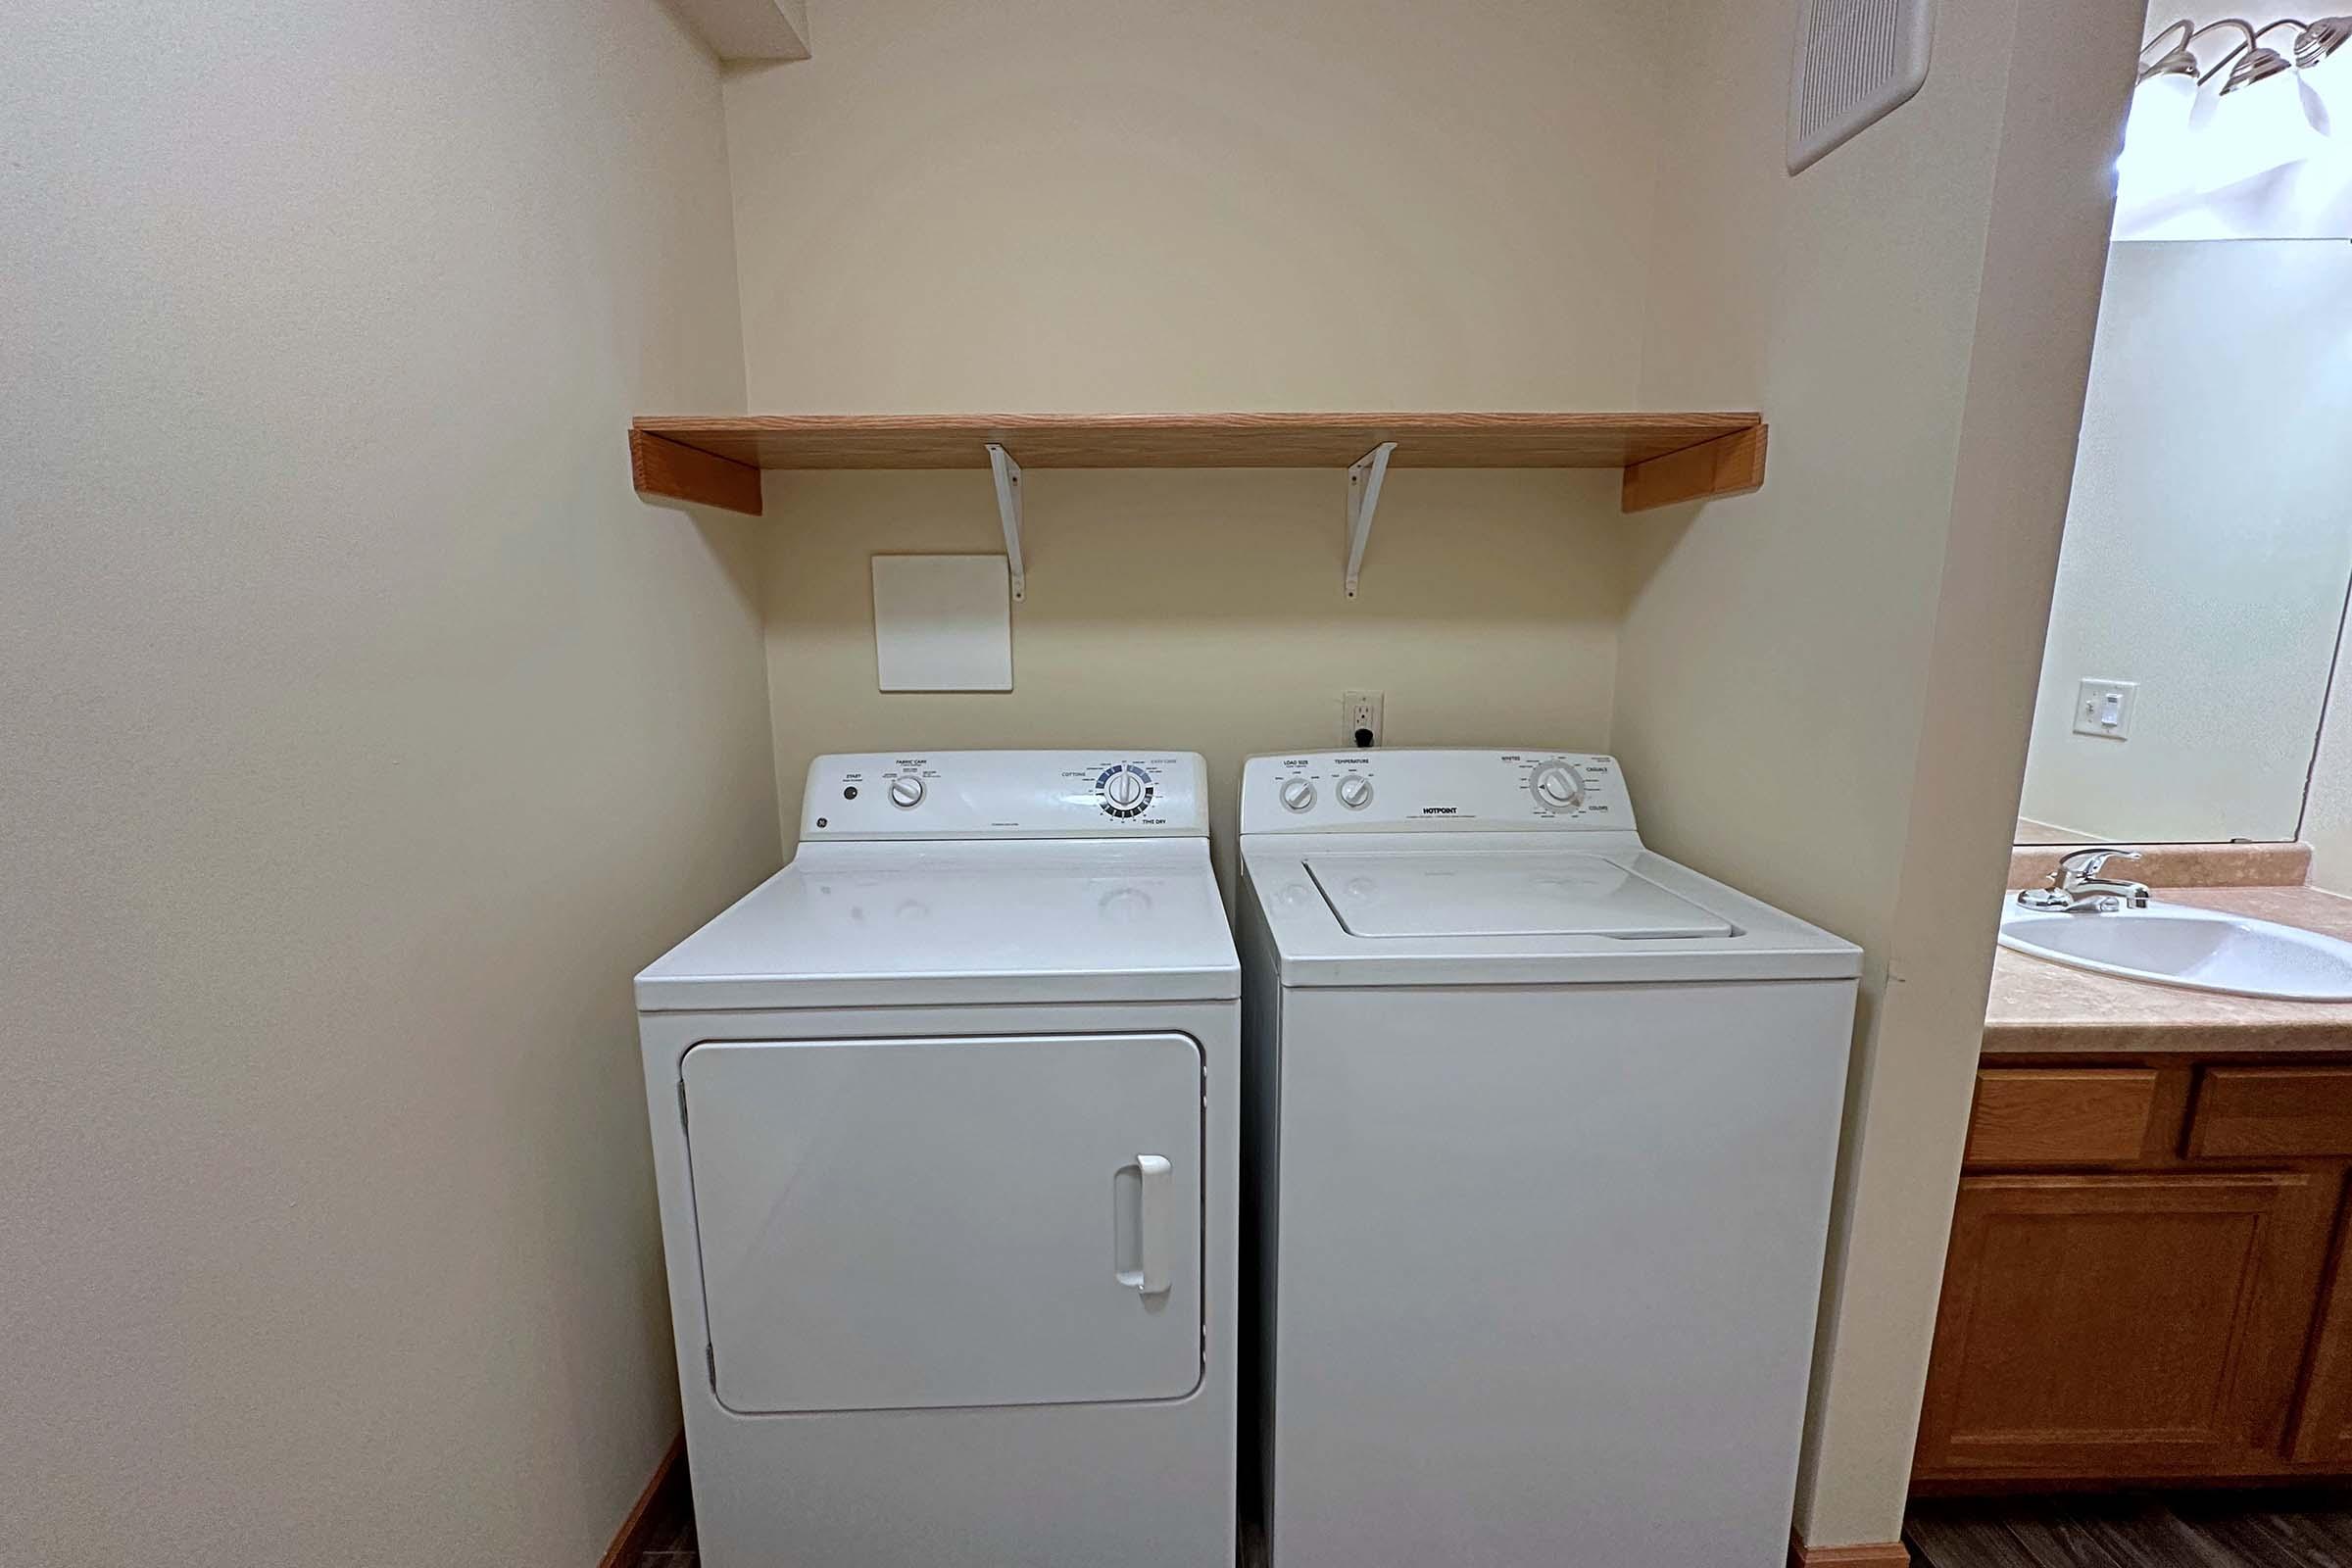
[2200, 603]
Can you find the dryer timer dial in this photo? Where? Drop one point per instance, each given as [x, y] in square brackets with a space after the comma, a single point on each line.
[1125, 788]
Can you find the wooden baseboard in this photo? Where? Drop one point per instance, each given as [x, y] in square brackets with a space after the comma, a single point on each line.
[1876, 1554]
[659, 1506]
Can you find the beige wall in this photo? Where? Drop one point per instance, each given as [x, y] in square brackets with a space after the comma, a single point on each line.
[1070, 205]
[1826, 686]
[1203, 610]
[363, 734]
[1092, 205]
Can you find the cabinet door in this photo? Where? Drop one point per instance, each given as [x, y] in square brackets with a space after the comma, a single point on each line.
[2324, 1423]
[917, 1223]
[2122, 1324]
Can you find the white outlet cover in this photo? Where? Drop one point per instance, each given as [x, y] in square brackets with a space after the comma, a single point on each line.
[943, 624]
[2103, 707]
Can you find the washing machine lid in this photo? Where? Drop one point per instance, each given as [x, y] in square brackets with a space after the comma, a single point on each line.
[1502, 894]
[1510, 918]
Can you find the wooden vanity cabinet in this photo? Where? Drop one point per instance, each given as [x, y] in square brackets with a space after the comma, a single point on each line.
[2122, 1324]
[2323, 1434]
[2144, 1279]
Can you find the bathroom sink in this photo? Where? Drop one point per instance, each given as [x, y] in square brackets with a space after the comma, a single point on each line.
[2175, 945]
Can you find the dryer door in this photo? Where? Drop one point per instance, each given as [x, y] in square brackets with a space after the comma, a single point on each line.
[889, 1224]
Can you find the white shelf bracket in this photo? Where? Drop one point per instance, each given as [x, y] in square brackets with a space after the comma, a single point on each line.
[1363, 500]
[1008, 510]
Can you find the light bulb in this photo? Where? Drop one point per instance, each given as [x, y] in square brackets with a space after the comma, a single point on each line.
[2258, 124]
[2154, 164]
[2324, 71]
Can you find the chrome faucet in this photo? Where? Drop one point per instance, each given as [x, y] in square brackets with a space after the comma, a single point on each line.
[2077, 888]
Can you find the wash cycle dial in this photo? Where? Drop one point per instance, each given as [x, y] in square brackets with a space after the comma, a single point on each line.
[1355, 793]
[1126, 788]
[1298, 794]
[907, 792]
[1558, 786]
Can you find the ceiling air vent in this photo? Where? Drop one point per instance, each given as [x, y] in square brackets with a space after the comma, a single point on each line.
[1857, 60]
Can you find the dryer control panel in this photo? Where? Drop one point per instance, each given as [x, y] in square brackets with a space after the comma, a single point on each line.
[1143, 793]
[1434, 791]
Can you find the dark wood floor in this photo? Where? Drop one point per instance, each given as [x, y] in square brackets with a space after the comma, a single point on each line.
[2203, 1530]
[2215, 1530]
[678, 1551]
[674, 1549]
[669, 1533]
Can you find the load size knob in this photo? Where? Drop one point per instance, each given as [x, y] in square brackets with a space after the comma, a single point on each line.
[1298, 794]
[905, 792]
[1558, 786]
[1355, 793]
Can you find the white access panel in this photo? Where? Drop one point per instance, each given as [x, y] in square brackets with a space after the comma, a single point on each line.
[921, 1223]
[942, 623]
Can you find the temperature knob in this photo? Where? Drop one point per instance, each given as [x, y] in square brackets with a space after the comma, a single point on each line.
[1558, 786]
[905, 792]
[1355, 793]
[1298, 794]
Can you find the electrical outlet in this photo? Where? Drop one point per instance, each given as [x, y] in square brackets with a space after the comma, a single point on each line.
[2103, 707]
[1360, 719]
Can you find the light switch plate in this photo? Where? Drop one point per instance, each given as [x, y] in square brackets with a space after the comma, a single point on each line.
[2103, 707]
[943, 624]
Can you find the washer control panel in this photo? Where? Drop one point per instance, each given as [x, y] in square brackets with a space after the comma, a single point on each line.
[1005, 795]
[1425, 790]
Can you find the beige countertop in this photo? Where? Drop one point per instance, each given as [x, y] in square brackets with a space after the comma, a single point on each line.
[2039, 1008]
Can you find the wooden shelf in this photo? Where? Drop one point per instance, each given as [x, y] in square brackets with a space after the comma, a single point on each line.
[1665, 457]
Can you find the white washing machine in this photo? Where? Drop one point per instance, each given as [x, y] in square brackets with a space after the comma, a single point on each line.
[945, 1118]
[1541, 1134]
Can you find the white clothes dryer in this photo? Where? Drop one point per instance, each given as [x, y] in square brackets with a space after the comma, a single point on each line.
[946, 1122]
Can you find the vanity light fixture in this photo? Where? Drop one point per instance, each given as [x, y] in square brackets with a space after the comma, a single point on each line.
[2202, 126]
[2252, 61]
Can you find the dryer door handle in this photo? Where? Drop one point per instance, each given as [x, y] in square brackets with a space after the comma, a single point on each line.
[1154, 1227]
